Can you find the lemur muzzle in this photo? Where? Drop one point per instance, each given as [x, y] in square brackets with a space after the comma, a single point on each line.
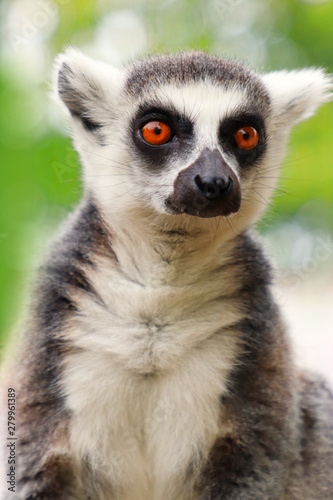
[208, 188]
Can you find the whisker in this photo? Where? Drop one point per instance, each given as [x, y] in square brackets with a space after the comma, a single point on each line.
[119, 196]
[265, 202]
[111, 175]
[111, 165]
[113, 185]
[231, 225]
[217, 225]
[106, 158]
[278, 178]
[276, 189]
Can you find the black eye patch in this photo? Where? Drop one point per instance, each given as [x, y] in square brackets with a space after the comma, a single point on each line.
[228, 129]
[181, 139]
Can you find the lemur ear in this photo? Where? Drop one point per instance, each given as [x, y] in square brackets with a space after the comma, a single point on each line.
[87, 87]
[296, 95]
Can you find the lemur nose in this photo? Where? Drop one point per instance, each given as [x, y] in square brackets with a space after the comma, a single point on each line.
[214, 187]
[208, 188]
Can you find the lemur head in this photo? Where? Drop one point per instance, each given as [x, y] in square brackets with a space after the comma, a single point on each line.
[186, 137]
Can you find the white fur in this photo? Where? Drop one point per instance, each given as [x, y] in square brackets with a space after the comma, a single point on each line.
[296, 95]
[146, 394]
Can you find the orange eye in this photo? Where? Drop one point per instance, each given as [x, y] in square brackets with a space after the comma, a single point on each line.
[156, 133]
[247, 137]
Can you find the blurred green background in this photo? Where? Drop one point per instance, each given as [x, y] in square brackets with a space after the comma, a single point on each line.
[40, 177]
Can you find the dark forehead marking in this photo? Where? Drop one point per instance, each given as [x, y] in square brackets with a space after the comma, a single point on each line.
[187, 67]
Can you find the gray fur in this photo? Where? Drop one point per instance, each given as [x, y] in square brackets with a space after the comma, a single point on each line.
[186, 67]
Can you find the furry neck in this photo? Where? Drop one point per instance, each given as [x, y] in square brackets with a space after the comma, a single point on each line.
[153, 248]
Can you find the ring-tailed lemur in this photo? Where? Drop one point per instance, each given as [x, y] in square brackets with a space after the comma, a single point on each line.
[156, 365]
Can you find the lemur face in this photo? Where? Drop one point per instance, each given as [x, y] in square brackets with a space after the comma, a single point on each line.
[198, 153]
[185, 135]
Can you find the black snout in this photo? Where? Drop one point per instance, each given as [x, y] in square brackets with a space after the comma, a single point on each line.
[207, 188]
[213, 187]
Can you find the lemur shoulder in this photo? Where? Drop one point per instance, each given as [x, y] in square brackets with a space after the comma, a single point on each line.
[156, 364]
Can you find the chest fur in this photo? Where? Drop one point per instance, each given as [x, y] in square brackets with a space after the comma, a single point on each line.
[145, 387]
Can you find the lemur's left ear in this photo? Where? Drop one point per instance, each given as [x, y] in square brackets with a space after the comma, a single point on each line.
[296, 95]
[87, 87]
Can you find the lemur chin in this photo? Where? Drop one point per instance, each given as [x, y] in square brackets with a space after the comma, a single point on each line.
[156, 364]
